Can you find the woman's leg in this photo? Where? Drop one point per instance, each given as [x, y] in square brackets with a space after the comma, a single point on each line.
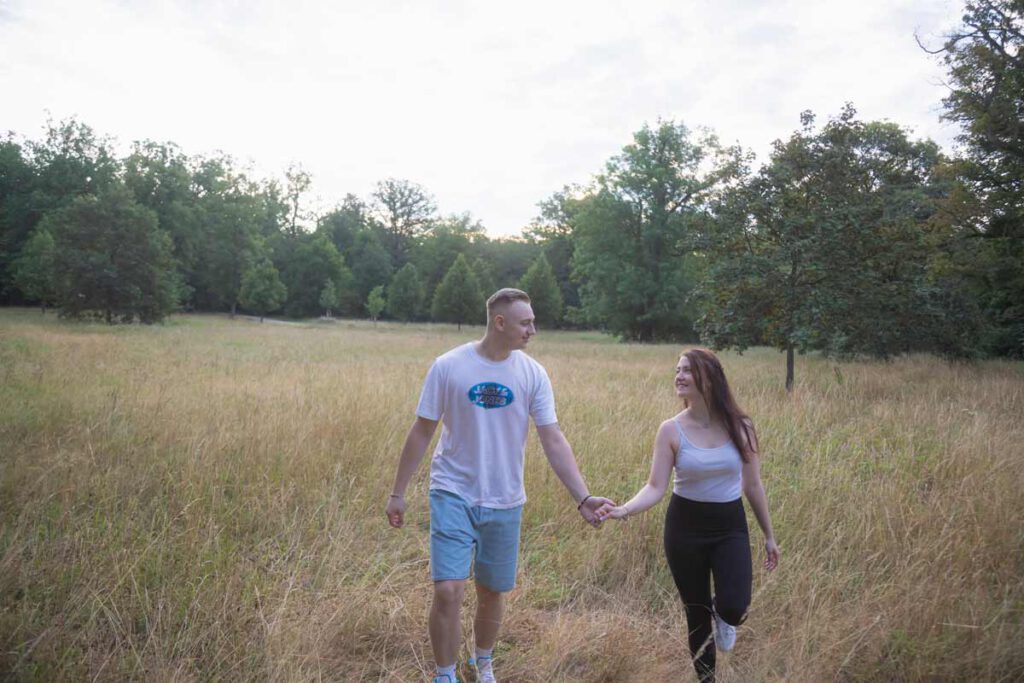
[732, 572]
[690, 563]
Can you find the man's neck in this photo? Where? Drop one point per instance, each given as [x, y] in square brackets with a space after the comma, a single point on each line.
[492, 349]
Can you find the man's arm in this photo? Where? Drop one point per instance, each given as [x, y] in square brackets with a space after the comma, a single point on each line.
[416, 442]
[563, 462]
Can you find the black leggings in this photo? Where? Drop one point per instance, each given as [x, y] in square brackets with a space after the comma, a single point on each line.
[705, 541]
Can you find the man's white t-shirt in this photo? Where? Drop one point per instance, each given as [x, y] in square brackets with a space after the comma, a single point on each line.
[486, 408]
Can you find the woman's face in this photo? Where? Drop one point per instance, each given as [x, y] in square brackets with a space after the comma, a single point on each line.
[685, 386]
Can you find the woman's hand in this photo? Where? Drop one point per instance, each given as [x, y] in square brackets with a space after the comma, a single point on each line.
[772, 553]
[609, 511]
[590, 507]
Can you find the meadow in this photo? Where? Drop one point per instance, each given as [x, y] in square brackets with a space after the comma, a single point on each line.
[203, 500]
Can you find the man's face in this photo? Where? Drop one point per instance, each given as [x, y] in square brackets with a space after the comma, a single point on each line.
[515, 324]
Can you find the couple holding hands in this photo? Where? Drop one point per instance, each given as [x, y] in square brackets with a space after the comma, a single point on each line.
[485, 392]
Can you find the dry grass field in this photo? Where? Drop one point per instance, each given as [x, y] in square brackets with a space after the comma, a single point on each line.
[203, 500]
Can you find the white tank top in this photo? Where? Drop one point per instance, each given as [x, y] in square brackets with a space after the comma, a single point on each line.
[707, 475]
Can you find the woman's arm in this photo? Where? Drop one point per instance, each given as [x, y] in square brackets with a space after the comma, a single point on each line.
[657, 482]
[753, 489]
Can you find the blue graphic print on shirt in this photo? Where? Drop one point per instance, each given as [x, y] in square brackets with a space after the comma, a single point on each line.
[489, 395]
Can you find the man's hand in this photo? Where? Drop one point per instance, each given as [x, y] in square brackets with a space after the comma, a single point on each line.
[396, 511]
[416, 442]
[771, 554]
[590, 507]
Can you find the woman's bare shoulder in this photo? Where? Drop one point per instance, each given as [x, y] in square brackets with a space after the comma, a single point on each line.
[669, 430]
[671, 423]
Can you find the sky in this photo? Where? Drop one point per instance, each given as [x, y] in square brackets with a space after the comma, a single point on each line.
[490, 106]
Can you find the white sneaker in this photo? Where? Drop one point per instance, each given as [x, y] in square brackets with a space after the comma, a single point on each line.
[725, 634]
[485, 670]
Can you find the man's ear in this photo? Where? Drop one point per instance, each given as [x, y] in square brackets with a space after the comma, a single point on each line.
[499, 322]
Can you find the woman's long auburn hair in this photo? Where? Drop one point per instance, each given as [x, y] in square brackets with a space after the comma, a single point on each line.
[709, 378]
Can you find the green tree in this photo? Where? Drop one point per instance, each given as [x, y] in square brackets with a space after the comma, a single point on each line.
[376, 302]
[507, 260]
[443, 242]
[329, 297]
[458, 299]
[553, 230]
[539, 282]
[827, 246]
[305, 263]
[238, 219]
[344, 223]
[985, 60]
[71, 161]
[404, 211]
[42, 176]
[405, 294]
[298, 182]
[262, 290]
[632, 237]
[34, 271]
[370, 264]
[160, 178]
[484, 270]
[111, 259]
[17, 216]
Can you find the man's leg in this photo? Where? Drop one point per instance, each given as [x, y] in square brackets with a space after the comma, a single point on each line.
[451, 549]
[495, 574]
[445, 626]
[490, 606]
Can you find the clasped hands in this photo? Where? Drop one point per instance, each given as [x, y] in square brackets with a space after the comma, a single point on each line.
[610, 510]
[596, 510]
[591, 507]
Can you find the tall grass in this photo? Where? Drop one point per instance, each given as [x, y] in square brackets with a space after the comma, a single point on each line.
[204, 500]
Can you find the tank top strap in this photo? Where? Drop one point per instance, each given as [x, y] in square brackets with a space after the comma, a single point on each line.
[682, 434]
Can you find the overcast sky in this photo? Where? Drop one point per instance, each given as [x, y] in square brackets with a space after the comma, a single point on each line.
[491, 106]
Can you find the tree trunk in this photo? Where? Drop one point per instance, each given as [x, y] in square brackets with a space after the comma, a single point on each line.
[789, 368]
[645, 332]
[261, 317]
[233, 304]
[794, 269]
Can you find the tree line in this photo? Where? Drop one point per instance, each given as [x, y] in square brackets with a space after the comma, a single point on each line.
[852, 237]
[135, 238]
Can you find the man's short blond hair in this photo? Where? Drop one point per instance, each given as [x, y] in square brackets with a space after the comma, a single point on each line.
[504, 297]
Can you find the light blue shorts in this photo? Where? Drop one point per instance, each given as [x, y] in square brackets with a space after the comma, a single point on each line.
[458, 528]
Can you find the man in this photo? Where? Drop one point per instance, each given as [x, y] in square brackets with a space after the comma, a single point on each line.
[485, 392]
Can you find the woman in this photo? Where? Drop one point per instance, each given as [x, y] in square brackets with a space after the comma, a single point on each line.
[712, 446]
